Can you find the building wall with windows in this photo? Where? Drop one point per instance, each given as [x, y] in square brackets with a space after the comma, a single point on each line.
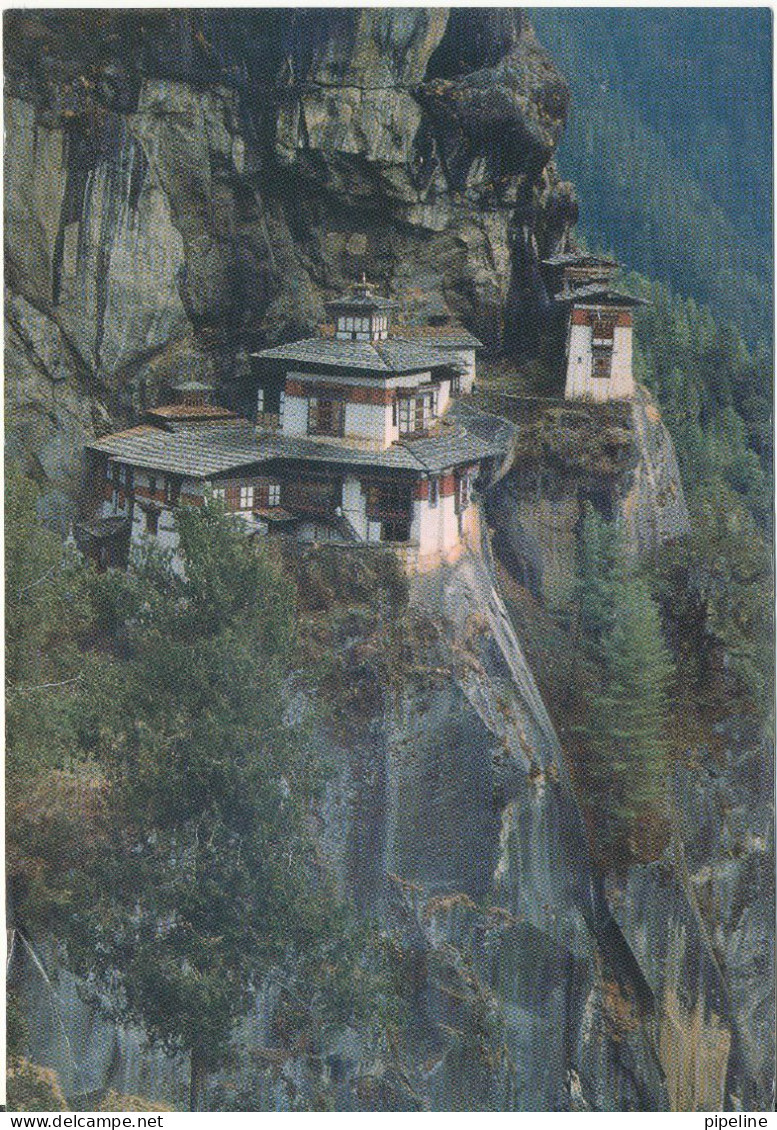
[428, 519]
[371, 412]
[599, 359]
[465, 358]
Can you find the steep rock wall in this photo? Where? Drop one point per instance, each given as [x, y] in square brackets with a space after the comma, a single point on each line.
[619, 457]
[531, 980]
[450, 818]
[179, 183]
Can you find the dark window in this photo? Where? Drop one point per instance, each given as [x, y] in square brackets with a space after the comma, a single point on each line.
[433, 492]
[312, 497]
[152, 522]
[325, 417]
[455, 384]
[603, 328]
[395, 530]
[152, 484]
[389, 501]
[601, 361]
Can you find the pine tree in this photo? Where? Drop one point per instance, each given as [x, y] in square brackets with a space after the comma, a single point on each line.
[596, 556]
[625, 718]
[207, 882]
[630, 713]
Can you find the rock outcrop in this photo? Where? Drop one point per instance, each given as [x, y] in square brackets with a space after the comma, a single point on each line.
[179, 183]
[532, 980]
[618, 457]
[450, 819]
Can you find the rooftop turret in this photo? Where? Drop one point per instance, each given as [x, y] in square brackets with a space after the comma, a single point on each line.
[361, 315]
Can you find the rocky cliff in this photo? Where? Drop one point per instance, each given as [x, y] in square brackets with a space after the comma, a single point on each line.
[619, 457]
[180, 183]
[532, 980]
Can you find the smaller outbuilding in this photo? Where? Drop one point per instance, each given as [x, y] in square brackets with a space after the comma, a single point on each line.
[599, 325]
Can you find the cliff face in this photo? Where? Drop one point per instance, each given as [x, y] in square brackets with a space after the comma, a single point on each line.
[619, 457]
[449, 818]
[531, 980]
[175, 180]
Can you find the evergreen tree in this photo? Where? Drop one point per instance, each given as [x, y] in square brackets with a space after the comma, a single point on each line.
[596, 560]
[626, 714]
[46, 611]
[208, 881]
[630, 713]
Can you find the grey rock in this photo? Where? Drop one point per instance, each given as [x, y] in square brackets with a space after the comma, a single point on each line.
[193, 176]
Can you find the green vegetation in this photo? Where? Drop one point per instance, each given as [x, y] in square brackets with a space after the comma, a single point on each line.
[163, 832]
[628, 671]
[716, 588]
[715, 395]
[669, 146]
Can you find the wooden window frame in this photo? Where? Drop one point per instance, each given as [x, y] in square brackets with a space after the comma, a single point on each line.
[601, 362]
[333, 416]
[267, 494]
[418, 411]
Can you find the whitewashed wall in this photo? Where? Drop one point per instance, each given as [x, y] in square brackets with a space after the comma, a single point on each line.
[581, 385]
[355, 505]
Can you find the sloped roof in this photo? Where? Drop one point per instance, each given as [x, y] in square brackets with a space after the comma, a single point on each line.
[383, 358]
[599, 293]
[438, 337]
[361, 302]
[202, 450]
[195, 452]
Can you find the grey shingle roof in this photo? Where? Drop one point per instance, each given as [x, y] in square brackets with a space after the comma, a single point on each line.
[601, 293]
[195, 452]
[384, 358]
[200, 451]
[362, 302]
[432, 337]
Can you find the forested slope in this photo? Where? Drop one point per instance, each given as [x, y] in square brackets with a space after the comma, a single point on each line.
[668, 142]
